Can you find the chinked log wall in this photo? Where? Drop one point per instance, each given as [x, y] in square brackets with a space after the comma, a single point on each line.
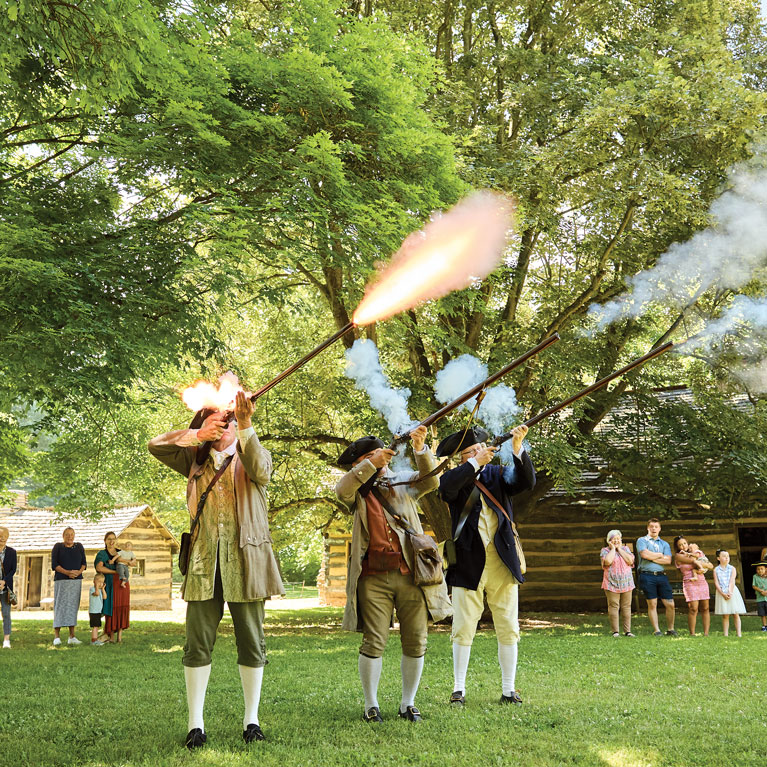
[562, 541]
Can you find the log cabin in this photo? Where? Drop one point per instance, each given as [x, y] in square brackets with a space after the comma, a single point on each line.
[565, 532]
[33, 532]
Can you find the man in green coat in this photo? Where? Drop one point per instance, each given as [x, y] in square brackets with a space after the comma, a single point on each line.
[231, 557]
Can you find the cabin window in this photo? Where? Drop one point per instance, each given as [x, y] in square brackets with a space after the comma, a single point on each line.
[140, 567]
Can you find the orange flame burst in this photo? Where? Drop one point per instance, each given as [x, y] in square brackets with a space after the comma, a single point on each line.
[449, 253]
[205, 394]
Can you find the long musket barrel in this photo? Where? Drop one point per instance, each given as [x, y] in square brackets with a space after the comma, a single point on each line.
[295, 366]
[204, 449]
[588, 390]
[442, 412]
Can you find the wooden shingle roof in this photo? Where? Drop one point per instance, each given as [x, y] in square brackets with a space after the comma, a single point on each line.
[40, 529]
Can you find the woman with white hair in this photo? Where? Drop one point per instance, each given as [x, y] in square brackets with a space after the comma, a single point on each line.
[618, 581]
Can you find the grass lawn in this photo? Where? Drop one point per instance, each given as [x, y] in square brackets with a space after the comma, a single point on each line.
[589, 699]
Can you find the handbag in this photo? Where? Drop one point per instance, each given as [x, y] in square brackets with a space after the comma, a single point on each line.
[185, 547]
[427, 563]
[517, 541]
[10, 596]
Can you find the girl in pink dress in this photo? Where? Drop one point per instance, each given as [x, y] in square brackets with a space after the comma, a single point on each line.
[695, 590]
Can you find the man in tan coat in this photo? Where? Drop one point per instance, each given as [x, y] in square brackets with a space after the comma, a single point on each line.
[231, 557]
[380, 570]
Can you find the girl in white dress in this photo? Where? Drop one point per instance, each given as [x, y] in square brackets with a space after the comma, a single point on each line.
[728, 599]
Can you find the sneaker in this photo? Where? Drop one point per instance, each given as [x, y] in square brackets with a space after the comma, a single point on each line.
[671, 633]
[657, 633]
[6, 644]
[629, 634]
[56, 641]
[764, 628]
[73, 641]
[97, 643]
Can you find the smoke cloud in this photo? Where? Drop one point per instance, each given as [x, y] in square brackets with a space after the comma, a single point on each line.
[499, 408]
[363, 366]
[725, 255]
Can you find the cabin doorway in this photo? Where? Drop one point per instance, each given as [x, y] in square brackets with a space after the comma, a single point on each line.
[34, 581]
[751, 540]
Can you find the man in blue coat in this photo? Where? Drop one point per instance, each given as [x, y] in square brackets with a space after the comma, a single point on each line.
[486, 559]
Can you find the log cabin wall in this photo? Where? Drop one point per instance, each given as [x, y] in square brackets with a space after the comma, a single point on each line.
[562, 540]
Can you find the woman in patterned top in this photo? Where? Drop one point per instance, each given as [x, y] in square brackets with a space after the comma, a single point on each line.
[695, 590]
[617, 581]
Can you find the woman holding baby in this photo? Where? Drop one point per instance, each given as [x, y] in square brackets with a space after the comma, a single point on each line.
[693, 564]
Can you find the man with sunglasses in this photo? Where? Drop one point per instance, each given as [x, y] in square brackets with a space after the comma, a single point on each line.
[486, 560]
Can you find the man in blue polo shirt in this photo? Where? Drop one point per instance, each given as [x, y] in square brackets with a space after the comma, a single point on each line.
[654, 553]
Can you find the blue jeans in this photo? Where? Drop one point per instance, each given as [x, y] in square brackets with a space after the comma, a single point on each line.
[6, 610]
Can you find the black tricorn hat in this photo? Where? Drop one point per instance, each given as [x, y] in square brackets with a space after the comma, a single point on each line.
[357, 448]
[453, 442]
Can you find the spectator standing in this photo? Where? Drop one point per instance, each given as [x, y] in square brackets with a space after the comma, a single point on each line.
[654, 553]
[7, 571]
[695, 589]
[760, 588]
[728, 599]
[68, 562]
[117, 604]
[618, 581]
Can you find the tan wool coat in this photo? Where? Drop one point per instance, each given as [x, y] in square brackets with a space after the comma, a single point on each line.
[251, 469]
[403, 499]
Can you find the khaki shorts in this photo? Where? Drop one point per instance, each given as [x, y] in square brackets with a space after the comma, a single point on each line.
[378, 595]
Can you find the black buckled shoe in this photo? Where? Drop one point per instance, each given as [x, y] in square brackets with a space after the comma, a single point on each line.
[252, 732]
[412, 714]
[457, 699]
[511, 699]
[195, 738]
[373, 714]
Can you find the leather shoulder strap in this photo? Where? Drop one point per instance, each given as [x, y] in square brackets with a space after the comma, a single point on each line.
[484, 490]
[204, 496]
[397, 518]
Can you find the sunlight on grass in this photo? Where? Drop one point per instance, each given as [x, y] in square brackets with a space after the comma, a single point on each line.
[630, 756]
[175, 648]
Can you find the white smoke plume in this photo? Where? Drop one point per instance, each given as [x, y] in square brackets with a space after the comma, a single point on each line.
[499, 407]
[754, 377]
[725, 255]
[364, 368]
[742, 324]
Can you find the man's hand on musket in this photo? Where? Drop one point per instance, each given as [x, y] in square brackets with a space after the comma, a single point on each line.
[418, 438]
[517, 436]
[485, 454]
[213, 427]
[381, 457]
[243, 410]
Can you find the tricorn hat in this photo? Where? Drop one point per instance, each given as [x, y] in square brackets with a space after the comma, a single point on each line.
[758, 564]
[460, 440]
[358, 448]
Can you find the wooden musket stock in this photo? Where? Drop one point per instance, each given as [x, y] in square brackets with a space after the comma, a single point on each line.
[588, 390]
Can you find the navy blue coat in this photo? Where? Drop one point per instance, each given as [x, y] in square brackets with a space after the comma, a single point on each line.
[9, 567]
[455, 486]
